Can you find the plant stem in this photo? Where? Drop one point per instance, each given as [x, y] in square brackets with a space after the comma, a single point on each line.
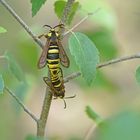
[44, 114]
[90, 132]
[121, 59]
[21, 104]
[110, 62]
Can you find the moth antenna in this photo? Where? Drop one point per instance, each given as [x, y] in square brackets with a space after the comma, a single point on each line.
[65, 105]
[70, 97]
[47, 26]
[59, 25]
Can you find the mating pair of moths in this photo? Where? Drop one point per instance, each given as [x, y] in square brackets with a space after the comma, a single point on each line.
[53, 54]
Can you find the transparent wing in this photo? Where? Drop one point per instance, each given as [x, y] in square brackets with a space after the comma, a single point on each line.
[43, 58]
[63, 56]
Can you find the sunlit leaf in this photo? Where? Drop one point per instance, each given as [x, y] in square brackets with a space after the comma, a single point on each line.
[85, 54]
[14, 67]
[124, 126]
[1, 84]
[59, 7]
[93, 115]
[36, 5]
[28, 52]
[105, 42]
[137, 75]
[2, 30]
[103, 81]
[74, 9]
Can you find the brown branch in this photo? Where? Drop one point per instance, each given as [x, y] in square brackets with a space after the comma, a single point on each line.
[113, 61]
[117, 60]
[21, 104]
[44, 114]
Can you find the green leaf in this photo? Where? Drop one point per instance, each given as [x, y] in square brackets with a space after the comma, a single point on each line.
[59, 8]
[2, 30]
[74, 9]
[21, 92]
[103, 81]
[105, 17]
[105, 42]
[85, 54]
[1, 84]
[93, 115]
[124, 126]
[137, 75]
[24, 55]
[14, 67]
[36, 5]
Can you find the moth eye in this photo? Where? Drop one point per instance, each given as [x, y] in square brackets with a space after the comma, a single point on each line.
[49, 34]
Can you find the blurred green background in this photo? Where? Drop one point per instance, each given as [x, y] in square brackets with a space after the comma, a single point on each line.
[114, 94]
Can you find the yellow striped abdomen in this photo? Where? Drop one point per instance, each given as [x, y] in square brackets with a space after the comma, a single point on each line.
[53, 62]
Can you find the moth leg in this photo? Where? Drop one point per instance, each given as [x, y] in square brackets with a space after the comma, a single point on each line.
[71, 96]
[40, 36]
[45, 35]
[49, 83]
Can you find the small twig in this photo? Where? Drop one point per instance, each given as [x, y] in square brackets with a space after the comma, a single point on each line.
[113, 61]
[80, 22]
[21, 104]
[90, 131]
[72, 76]
[2, 57]
[117, 60]
[22, 23]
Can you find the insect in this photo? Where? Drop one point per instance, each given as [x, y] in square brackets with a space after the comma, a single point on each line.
[56, 84]
[53, 39]
[53, 53]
